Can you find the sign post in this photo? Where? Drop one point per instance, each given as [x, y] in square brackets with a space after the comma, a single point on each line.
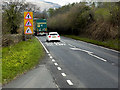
[28, 23]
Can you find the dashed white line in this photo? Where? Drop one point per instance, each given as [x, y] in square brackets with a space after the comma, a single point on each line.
[51, 57]
[49, 54]
[56, 64]
[59, 68]
[69, 82]
[53, 60]
[63, 74]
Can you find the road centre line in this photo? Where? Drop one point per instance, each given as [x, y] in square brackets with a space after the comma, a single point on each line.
[81, 50]
[63, 74]
[69, 82]
[43, 45]
[59, 68]
[90, 53]
[97, 57]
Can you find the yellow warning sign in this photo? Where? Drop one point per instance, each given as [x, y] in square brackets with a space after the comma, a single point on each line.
[28, 22]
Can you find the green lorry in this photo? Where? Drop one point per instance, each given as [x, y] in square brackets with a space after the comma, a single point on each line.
[41, 27]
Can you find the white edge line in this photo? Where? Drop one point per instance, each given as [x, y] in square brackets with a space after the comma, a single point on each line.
[69, 82]
[59, 68]
[51, 57]
[53, 60]
[49, 54]
[63, 74]
[43, 45]
[56, 64]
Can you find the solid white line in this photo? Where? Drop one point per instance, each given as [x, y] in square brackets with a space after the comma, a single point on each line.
[69, 82]
[63, 74]
[43, 45]
[56, 64]
[59, 68]
[53, 60]
[97, 57]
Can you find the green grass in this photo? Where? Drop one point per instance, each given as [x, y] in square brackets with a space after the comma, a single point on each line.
[20, 58]
[113, 44]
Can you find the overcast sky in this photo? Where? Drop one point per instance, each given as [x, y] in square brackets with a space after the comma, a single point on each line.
[62, 2]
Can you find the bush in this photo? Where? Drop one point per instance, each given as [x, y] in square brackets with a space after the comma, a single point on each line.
[11, 39]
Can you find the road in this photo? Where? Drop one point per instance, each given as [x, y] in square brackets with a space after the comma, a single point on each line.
[85, 65]
[77, 64]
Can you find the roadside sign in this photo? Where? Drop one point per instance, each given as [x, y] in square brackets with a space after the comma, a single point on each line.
[41, 24]
[28, 22]
[28, 16]
[28, 31]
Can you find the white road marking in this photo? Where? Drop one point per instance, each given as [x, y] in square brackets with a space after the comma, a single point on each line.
[90, 53]
[59, 68]
[55, 43]
[56, 64]
[81, 50]
[51, 57]
[63, 41]
[63, 74]
[69, 82]
[43, 45]
[53, 60]
[49, 54]
[64, 44]
[71, 45]
[97, 57]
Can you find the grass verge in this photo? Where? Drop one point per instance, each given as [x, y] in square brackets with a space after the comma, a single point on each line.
[20, 58]
[113, 44]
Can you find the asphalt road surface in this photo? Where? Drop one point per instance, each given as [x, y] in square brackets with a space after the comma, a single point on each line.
[84, 65]
[77, 64]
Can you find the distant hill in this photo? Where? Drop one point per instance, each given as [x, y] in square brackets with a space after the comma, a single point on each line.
[43, 4]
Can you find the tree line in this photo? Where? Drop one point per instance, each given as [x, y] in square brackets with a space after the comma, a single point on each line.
[99, 20]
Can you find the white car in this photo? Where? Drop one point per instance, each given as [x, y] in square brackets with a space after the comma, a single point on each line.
[52, 36]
